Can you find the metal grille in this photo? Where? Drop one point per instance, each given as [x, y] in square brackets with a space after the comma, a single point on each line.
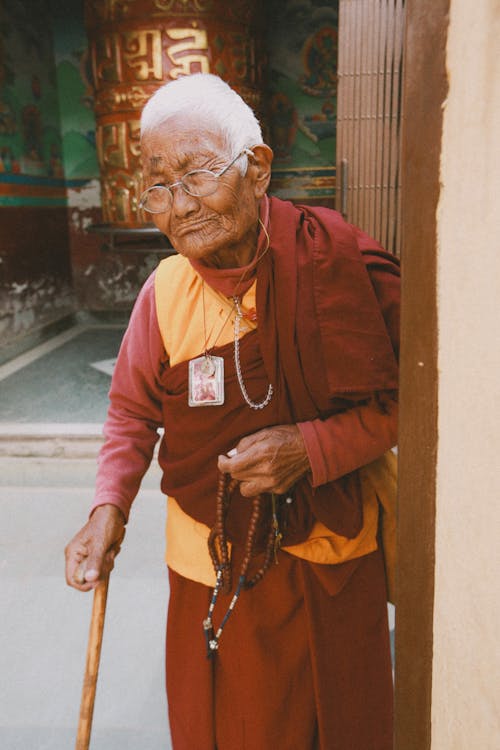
[368, 116]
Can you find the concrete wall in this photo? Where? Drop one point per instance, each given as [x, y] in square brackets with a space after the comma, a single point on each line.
[465, 703]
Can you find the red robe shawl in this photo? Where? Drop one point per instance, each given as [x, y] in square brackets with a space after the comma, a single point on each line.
[326, 340]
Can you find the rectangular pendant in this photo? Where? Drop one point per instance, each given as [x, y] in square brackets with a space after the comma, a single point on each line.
[206, 381]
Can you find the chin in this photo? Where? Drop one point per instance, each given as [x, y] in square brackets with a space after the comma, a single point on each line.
[194, 253]
[194, 245]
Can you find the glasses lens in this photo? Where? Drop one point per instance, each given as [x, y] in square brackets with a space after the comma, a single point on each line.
[156, 199]
[200, 182]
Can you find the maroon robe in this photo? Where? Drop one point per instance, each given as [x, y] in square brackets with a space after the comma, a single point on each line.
[322, 341]
[304, 660]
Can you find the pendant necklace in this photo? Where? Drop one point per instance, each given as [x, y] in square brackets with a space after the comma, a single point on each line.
[206, 373]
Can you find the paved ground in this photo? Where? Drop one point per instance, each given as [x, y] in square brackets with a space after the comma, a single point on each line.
[45, 624]
[64, 380]
[53, 400]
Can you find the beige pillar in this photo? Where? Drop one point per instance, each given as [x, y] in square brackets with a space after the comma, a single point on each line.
[466, 663]
[448, 613]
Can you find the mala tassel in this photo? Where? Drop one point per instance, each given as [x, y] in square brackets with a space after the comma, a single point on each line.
[208, 627]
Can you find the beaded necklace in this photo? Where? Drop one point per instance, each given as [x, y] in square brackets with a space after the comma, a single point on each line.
[252, 404]
[217, 541]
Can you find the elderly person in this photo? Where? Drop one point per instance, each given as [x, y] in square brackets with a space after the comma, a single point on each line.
[266, 348]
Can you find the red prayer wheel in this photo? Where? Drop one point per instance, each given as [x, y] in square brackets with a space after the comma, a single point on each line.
[138, 45]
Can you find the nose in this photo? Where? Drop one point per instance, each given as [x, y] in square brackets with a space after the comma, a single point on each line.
[183, 204]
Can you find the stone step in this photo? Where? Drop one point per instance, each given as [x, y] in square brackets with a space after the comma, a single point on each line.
[50, 440]
[74, 473]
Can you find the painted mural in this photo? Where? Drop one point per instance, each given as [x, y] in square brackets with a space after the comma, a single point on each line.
[302, 80]
[30, 139]
[47, 126]
[74, 82]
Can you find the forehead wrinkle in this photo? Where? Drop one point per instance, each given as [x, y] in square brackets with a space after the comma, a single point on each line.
[182, 161]
[193, 159]
[155, 166]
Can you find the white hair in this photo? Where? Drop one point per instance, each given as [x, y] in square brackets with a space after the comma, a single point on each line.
[210, 101]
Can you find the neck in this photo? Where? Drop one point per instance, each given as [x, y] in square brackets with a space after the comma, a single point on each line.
[238, 255]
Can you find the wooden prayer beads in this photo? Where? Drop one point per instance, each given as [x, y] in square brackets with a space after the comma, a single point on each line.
[219, 553]
[218, 545]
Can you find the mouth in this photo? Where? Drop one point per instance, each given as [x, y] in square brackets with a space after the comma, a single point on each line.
[194, 226]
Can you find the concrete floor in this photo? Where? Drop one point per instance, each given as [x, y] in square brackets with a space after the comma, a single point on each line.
[64, 380]
[56, 391]
[45, 623]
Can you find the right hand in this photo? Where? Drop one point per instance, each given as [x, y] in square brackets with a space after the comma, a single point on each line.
[90, 556]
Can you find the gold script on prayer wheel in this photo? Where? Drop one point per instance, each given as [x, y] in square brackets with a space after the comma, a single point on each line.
[138, 45]
[189, 39]
[142, 54]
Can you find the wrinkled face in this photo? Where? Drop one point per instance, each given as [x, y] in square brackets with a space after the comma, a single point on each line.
[214, 227]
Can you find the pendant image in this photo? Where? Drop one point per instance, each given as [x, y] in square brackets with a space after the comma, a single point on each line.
[206, 381]
[207, 367]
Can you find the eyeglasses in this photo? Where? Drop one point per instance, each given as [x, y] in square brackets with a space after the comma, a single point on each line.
[199, 182]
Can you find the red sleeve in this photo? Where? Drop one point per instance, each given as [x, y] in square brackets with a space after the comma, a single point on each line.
[346, 441]
[134, 415]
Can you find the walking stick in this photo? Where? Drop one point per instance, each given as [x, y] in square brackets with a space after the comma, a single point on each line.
[92, 665]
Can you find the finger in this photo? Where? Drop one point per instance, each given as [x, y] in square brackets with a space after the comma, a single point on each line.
[95, 563]
[76, 579]
[79, 574]
[242, 463]
[99, 571]
[248, 453]
[250, 489]
[249, 440]
[223, 464]
[75, 555]
[109, 560]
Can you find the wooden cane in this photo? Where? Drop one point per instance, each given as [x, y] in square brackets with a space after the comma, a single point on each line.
[92, 665]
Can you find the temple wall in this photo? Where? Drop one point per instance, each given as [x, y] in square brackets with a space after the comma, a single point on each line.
[35, 270]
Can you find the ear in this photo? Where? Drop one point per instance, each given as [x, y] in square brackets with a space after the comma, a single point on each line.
[259, 167]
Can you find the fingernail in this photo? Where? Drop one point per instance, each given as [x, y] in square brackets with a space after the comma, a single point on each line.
[91, 575]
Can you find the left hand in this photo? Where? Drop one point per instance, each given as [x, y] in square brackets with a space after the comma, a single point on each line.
[270, 460]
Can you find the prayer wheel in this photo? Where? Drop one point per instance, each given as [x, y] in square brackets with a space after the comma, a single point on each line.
[138, 45]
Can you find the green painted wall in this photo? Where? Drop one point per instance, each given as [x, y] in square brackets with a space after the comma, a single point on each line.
[75, 92]
[47, 124]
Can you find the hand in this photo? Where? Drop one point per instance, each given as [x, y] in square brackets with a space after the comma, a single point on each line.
[270, 460]
[90, 555]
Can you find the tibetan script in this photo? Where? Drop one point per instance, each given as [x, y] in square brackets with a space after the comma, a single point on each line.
[190, 53]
